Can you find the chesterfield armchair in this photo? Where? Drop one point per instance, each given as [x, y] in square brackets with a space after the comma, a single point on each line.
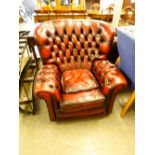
[76, 79]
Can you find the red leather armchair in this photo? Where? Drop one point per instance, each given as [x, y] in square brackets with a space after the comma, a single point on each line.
[76, 79]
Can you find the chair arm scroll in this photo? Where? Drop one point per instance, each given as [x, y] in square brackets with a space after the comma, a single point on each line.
[109, 77]
[47, 82]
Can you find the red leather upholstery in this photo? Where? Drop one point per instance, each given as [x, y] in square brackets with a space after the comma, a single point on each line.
[48, 81]
[73, 44]
[108, 76]
[82, 101]
[76, 80]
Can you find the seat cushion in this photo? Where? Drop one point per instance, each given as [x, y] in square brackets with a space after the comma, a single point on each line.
[80, 101]
[78, 80]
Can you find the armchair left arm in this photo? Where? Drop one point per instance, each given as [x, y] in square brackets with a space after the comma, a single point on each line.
[47, 87]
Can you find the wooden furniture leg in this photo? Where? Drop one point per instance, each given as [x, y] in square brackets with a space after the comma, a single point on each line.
[117, 60]
[128, 104]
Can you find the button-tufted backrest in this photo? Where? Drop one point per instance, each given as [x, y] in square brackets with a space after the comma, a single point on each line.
[73, 44]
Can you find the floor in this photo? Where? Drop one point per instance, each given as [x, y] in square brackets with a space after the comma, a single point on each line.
[110, 135]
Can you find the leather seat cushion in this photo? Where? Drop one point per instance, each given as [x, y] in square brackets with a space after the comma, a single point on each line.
[80, 101]
[78, 80]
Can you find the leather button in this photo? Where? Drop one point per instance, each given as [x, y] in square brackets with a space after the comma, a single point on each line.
[65, 39]
[56, 49]
[68, 53]
[70, 46]
[58, 41]
[86, 45]
[75, 53]
[82, 53]
[63, 47]
[78, 45]
[74, 39]
[90, 38]
[81, 38]
[97, 38]
[61, 55]
[93, 44]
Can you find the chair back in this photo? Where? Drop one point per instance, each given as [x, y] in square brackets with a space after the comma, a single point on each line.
[73, 44]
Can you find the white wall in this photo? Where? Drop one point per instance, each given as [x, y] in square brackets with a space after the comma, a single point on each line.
[105, 3]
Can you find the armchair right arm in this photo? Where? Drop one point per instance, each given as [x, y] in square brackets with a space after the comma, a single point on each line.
[110, 79]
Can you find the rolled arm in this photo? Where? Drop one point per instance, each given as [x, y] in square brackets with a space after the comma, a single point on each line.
[109, 77]
[47, 82]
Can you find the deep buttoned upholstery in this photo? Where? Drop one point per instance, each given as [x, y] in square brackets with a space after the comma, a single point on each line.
[76, 79]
